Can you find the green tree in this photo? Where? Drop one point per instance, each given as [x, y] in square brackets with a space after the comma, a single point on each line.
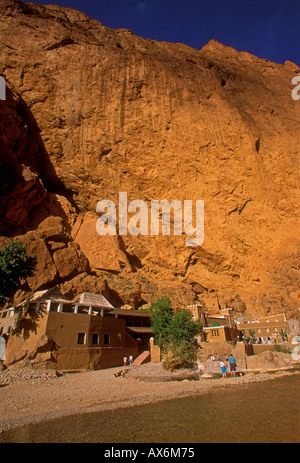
[182, 328]
[161, 314]
[174, 333]
[15, 265]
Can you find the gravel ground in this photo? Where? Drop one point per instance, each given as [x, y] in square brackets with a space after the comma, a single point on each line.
[31, 396]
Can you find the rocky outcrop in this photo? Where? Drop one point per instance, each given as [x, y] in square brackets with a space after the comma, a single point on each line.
[269, 360]
[37, 352]
[92, 111]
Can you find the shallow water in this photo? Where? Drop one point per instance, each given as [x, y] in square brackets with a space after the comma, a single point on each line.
[265, 412]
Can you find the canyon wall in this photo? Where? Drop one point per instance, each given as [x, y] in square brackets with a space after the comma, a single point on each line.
[91, 112]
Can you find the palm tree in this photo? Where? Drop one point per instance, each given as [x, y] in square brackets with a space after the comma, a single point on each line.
[252, 336]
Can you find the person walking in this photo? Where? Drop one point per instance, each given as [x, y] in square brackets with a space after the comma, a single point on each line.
[125, 361]
[232, 364]
[130, 360]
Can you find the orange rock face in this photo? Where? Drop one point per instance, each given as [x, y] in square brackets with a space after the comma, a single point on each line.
[92, 112]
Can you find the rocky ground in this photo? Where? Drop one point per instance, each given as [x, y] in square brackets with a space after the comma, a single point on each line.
[31, 396]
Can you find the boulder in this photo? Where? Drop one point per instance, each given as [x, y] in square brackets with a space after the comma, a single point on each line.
[70, 261]
[207, 375]
[267, 360]
[43, 357]
[103, 252]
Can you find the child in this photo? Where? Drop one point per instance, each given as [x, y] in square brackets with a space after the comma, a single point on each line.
[223, 369]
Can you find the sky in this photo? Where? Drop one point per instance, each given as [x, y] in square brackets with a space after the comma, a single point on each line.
[266, 28]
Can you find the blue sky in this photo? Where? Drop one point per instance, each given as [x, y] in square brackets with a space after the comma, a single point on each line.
[267, 28]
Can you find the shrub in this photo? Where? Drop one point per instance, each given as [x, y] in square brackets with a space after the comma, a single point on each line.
[285, 350]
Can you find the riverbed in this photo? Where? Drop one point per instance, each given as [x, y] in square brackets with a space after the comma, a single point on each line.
[216, 410]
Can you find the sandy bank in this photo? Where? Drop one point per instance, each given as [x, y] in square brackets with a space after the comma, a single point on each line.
[30, 397]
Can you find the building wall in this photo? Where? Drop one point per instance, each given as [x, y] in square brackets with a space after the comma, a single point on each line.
[83, 341]
[88, 341]
[7, 321]
[64, 329]
[221, 333]
[259, 348]
[294, 326]
[207, 319]
[93, 358]
[155, 351]
[215, 335]
[264, 328]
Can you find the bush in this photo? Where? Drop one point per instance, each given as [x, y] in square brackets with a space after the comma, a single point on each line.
[284, 350]
[177, 357]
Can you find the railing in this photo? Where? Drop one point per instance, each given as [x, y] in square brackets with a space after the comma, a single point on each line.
[60, 307]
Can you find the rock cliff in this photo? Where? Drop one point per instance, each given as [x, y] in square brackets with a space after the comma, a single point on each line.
[91, 112]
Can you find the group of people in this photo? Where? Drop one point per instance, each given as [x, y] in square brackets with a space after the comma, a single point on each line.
[231, 362]
[130, 360]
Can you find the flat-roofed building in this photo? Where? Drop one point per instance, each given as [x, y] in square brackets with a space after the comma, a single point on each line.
[87, 332]
[273, 328]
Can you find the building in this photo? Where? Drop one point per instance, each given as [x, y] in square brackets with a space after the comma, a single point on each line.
[271, 329]
[216, 328]
[294, 326]
[219, 333]
[138, 325]
[87, 332]
[37, 301]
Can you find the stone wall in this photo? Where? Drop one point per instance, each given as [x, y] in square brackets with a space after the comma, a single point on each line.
[93, 358]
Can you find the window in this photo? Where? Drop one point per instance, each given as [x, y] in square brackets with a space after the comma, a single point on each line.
[68, 308]
[215, 332]
[95, 338]
[106, 339]
[81, 338]
[83, 309]
[119, 337]
[53, 307]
